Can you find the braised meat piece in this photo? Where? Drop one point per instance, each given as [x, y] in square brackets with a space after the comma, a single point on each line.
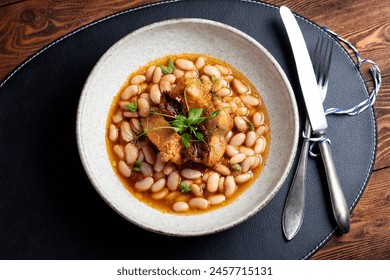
[165, 139]
[190, 93]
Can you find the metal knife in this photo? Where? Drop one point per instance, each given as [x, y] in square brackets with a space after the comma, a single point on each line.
[316, 115]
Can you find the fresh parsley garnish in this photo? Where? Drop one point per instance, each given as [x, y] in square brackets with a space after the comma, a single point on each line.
[184, 188]
[168, 69]
[213, 79]
[187, 127]
[132, 106]
[137, 165]
[250, 125]
[237, 167]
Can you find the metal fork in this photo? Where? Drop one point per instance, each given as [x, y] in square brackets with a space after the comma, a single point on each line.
[295, 203]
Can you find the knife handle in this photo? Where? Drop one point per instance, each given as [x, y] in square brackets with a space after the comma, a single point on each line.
[295, 202]
[339, 205]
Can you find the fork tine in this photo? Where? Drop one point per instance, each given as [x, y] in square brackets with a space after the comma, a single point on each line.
[322, 58]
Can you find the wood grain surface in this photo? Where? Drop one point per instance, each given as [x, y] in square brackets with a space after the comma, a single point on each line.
[26, 26]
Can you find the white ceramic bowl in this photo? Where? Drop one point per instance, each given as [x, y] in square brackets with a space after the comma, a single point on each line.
[186, 36]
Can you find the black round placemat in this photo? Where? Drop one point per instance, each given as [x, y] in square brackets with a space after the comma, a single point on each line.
[49, 209]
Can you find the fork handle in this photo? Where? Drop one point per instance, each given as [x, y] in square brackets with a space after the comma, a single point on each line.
[339, 205]
[295, 202]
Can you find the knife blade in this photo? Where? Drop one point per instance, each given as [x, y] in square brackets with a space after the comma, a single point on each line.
[306, 74]
[316, 115]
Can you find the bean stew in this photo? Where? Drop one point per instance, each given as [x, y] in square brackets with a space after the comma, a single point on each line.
[187, 133]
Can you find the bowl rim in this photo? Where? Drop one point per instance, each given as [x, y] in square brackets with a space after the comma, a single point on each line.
[282, 178]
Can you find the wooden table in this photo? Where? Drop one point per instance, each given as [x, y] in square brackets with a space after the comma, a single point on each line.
[26, 26]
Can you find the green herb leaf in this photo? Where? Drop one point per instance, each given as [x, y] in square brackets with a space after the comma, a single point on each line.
[133, 106]
[185, 139]
[184, 188]
[199, 135]
[214, 114]
[169, 69]
[137, 165]
[213, 79]
[237, 167]
[250, 125]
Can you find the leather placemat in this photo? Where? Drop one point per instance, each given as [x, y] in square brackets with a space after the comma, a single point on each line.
[49, 209]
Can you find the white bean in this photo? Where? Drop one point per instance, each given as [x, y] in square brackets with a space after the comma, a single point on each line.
[242, 111]
[191, 74]
[168, 168]
[184, 64]
[158, 175]
[159, 165]
[157, 74]
[144, 184]
[141, 156]
[190, 173]
[117, 117]
[250, 139]
[237, 140]
[172, 195]
[173, 181]
[243, 178]
[150, 156]
[131, 153]
[160, 195]
[205, 177]
[260, 145]
[130, 91]
[237, 159]
[136, 80]
[149, 73]
[258, 119]
[240, 124]
[229, 136]
[217, 199]
[257, 162]
[239, 86]
[158, 185]
[223, 92]
[129, 114]
[113, 133]
[223, 69]
[212, 182]
[155, 94]
[165, 86]
[146, 169]
[230, 186]
[146, 96]
[135, 125]
[212, 71]
[261, 130]
[247, 164]
[118, 151]
[143, 107]
[250, 100]
[200, 62]
[178, 73]
[180, 206]
[231, 151]
[169, 77]
[221, 184]
[126, 132]
[221, 169]
[124, 169]
[198, 203]
[196, 190]
[247, 151]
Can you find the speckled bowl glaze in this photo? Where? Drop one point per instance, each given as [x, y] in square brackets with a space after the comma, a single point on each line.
[175, 37]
